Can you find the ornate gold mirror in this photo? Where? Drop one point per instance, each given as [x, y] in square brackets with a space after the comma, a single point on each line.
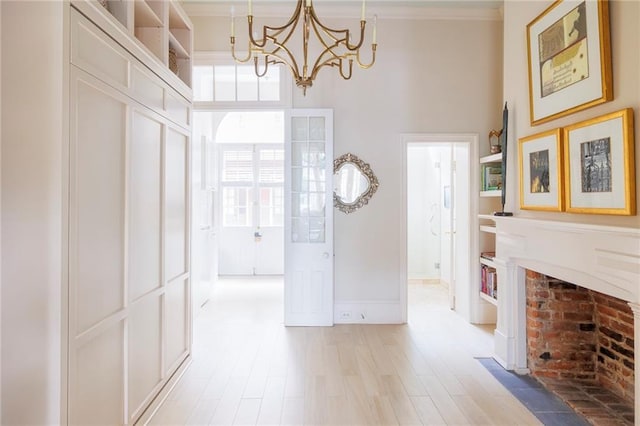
[353, 183]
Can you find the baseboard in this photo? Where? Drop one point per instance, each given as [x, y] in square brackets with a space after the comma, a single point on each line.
[153, 407]
[368, 312]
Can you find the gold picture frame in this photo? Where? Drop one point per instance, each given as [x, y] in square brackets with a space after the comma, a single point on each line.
[569, 54]
[540, 165]
[599, 165]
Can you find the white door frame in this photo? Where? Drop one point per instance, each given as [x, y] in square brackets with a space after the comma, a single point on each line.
[443, 139]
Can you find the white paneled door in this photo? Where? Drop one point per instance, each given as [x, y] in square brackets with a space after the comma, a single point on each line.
[308, 236]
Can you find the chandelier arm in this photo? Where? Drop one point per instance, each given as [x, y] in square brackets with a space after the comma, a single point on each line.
[331, 31]
[373, 59]
[266, 65]
[293, 23]
[346, 77]
[233, 52]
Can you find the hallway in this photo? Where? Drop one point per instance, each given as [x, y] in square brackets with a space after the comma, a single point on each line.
[249, 369]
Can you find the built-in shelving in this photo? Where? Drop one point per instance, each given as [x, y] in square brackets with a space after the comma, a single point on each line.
[490, 166]
[158, 25]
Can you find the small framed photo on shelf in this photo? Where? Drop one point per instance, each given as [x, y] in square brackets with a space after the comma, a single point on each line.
[540, 165]
[599, 165]
[569, 59]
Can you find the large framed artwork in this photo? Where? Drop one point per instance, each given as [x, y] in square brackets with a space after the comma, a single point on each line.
[569, 59]
[540, 164]
[599, 165]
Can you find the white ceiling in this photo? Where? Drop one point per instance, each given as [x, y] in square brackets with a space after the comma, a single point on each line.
[385, 9]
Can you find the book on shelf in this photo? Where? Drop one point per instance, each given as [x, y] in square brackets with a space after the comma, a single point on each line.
[491, 178]
[489, 255]
[489, 281]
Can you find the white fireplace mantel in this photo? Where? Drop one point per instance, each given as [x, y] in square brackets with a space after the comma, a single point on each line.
[605, 259]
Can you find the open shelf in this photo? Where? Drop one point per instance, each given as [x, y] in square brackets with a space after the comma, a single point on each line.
[487, 262]
[493, 158]
[488, 228]
[148, 13]
[181, 51]
[492, 193]
[488, 298]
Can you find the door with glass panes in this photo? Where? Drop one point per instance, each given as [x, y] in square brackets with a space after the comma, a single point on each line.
[252, 207]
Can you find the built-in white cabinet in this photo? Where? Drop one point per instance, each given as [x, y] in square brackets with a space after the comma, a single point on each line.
[129, 276]
[161, 27]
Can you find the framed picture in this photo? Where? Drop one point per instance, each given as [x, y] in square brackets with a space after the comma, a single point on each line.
[599, 165]
[569, 59]
[540, 160]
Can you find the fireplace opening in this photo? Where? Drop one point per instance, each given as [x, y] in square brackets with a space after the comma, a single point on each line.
[580, 345]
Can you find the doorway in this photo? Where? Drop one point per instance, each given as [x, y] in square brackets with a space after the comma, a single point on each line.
[439, 214]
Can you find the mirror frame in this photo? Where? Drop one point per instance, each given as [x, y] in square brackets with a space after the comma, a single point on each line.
[365, 169]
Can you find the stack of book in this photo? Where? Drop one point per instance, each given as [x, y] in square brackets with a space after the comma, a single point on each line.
[489, 281]
[491, 178]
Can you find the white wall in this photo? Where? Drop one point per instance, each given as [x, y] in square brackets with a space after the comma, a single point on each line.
[31, 211]
[625, 39]
[431, 76]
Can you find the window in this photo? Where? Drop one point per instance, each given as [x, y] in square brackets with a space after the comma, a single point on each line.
[217, 79]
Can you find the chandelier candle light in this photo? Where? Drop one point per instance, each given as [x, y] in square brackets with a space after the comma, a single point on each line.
[335, 48]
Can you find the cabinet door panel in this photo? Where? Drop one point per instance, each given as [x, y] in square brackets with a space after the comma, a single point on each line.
[176, 337]
[97, 389]
[145, 353]
[97, 54]
[144, 204]
[175, 203]
[97, 201]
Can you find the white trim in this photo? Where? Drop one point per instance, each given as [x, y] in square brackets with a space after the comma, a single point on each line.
[414, 10]
[444, 139]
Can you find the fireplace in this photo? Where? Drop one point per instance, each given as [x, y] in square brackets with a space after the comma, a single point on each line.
[580, 345]
[596, 272]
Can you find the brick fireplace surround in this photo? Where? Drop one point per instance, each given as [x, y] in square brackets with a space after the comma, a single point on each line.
[580, 345]
[599, 269]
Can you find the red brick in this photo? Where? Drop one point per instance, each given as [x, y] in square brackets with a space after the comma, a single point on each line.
[627, 319]
[534, 275]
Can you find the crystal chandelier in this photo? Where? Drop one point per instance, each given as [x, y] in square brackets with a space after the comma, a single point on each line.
[334, 46]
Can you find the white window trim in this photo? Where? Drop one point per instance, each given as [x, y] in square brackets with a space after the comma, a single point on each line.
[224, 58]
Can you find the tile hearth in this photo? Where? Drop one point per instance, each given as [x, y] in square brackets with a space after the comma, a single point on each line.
[598, 405]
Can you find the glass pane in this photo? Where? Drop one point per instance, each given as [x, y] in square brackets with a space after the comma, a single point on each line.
[237, 166]
[316, 204]
[203, 83]
[316, 179]
[300, 230]
[272, 206]
[299, 128]
[247, 83]
[299, 182]
[225, 82]
[271, 167]
[316, 154]
[316, 128]
[270, 85]
[237, 206]
[298, 152]
[316, 230]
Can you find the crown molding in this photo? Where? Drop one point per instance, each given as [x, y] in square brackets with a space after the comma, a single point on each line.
[416, 10]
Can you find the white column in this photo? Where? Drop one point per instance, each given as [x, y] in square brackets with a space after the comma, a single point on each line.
[511, 333]
[635, 307]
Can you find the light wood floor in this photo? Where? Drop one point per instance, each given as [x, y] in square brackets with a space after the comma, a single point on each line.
[250, 369]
